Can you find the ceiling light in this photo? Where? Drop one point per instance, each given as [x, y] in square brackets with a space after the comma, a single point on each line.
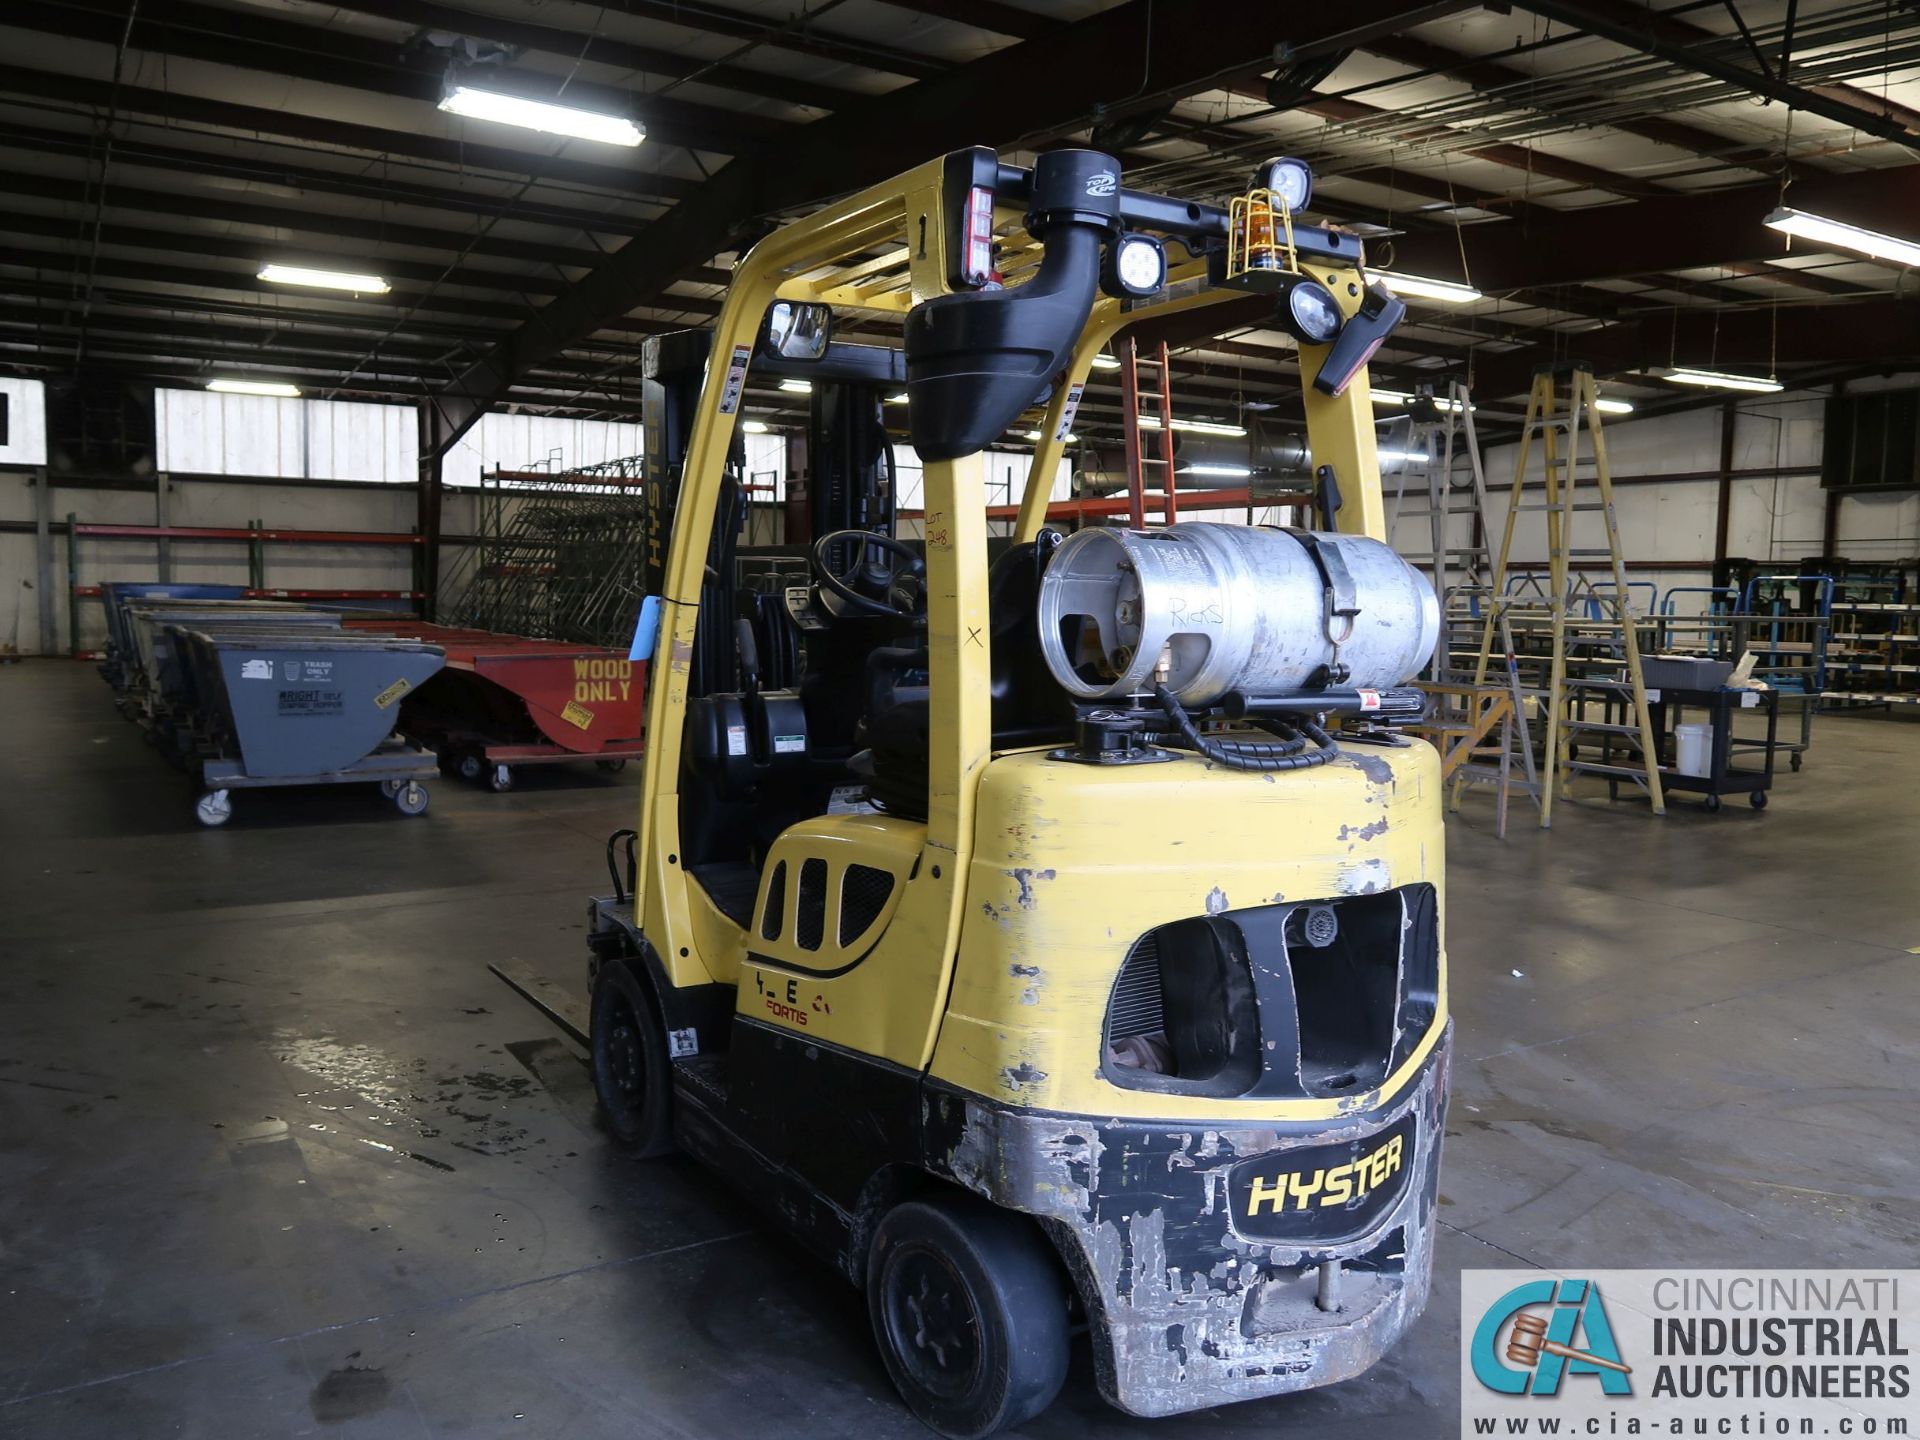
[1196, 427]
[1412, 457]
[1419, 287]
[1400, 397]
[1072, 439]
[1235, 472]
[797, 387]
[899, 399]
[1614, 407]
[255, 387]
[755, 427]
[1718, 380]
[1841, 236]
[1105, 362]
[541, 115]
[324, 279]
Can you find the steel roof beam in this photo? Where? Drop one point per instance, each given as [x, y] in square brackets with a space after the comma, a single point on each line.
[271, 46]
[1034, 93]
[332, 134]
[1647, 32]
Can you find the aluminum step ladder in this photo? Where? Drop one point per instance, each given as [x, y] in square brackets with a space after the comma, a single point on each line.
[1147, 473]
[1594, 657]
[1479, 726]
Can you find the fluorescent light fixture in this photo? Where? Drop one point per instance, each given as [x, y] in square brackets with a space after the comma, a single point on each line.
[1234, 472]
[899, 399]
[1195, 427]
[755, 427]
[1400, 397]
[324, 279]
[255, 387]
[1447, 292]
[797, 387]
[1105, 362]
[1412, 457]
[1841, 236]
[1072, 439]
[1718, 380]
[542, 115]
[1614, 407]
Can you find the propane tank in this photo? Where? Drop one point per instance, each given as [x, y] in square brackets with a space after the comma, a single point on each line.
[1204, 609]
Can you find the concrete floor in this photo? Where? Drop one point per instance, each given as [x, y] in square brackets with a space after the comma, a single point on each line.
[279, 1157]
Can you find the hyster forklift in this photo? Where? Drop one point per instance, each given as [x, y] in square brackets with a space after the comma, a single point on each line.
[1052, 945]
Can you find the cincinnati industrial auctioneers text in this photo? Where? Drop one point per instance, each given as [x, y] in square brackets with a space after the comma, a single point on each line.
[1789, 1335]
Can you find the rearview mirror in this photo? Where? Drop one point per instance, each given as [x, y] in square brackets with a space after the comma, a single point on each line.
[797, 332]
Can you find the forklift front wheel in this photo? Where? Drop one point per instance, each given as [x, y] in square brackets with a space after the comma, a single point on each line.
[630, 1065]
[969, 1307]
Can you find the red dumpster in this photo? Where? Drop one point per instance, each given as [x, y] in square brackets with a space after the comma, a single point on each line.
[507, 700]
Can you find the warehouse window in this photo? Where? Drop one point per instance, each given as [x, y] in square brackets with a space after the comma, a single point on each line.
[23, 435]
[198, 432]
[541, 444]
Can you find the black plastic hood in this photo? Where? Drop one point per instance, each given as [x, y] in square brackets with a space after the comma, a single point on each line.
[976, 359]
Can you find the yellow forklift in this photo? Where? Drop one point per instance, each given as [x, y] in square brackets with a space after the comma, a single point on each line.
[1052, 945]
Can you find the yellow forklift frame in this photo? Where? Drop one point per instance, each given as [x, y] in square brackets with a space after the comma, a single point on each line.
[981, 983]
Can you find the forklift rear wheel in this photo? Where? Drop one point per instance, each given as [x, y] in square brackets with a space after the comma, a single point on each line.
[630, 1066]
[969, 1307]
[471, 766]
[412, 800]
[1758, 799]
[214, 808]
[500, 780]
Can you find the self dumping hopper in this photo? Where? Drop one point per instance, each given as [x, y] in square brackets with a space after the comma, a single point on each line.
[508, 700]
[253, 694]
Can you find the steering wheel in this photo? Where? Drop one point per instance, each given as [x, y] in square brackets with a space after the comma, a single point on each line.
[908, 602]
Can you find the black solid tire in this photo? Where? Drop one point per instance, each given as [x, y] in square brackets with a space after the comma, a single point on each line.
[1794, 760]
[1713, 804]
[631, 1072]
[969, 1308]
[1757, 799]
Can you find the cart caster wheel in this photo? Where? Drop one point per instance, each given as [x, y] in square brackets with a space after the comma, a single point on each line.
[612, 767]
[411, 799]
[1794, 760]
[501, 779]
[391, 788]
[471, 767]
[214, 808]
[969, 1306]
[1758, 799]
[1713, 804]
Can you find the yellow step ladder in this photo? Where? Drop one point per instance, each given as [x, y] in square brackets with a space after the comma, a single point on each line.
[1595, 646]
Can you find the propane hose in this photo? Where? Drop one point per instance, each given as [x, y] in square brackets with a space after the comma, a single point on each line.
[1286, 751]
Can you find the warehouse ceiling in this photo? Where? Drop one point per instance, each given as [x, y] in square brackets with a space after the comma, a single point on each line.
[1598, 169]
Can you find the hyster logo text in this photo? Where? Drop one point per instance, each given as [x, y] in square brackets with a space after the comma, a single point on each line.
[1333, 1186]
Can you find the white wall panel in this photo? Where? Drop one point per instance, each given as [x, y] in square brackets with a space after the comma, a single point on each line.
[537, 442]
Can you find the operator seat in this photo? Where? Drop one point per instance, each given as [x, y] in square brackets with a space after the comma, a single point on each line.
[1029, 707]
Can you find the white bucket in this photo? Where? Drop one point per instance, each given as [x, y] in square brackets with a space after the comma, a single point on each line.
[1693, 749]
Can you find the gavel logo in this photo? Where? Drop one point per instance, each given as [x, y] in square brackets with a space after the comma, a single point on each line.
[1528, 1342]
